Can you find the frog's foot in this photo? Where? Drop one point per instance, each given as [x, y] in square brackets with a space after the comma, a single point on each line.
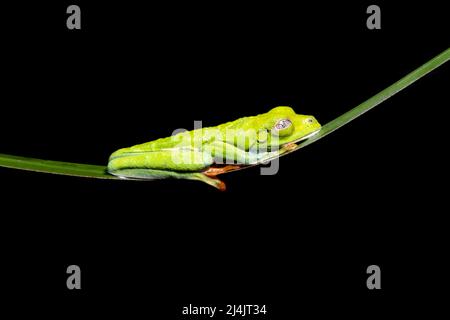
[212, 181]
[290, 146]
[219, 184]
[214, 171]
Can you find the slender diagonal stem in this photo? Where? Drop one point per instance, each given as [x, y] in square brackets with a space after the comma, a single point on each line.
[381, 96]
[95, 171]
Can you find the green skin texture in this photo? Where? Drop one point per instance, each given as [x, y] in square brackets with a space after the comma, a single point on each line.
[245, 141]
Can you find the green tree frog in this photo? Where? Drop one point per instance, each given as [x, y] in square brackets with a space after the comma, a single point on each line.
[204, 153]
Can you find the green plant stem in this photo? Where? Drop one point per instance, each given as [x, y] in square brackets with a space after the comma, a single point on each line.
[55, 167]
[95, 171]
[381, 96]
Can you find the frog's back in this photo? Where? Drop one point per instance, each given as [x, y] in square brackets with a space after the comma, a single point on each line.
[158, 144]
[191, 138]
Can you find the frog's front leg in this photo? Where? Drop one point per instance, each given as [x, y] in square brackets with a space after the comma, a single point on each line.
[226, 153]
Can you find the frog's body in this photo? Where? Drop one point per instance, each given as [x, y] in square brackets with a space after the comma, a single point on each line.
[201, 154]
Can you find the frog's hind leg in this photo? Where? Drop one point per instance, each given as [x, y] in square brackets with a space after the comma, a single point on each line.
[141, 174]
[152, 174]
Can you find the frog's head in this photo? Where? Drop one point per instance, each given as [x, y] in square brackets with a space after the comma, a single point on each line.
[282, 125]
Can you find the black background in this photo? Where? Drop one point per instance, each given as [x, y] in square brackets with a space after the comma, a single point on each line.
[299, 241]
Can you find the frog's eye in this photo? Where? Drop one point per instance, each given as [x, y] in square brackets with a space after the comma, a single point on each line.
[309, 120]
[282, 124]
[283, 127]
